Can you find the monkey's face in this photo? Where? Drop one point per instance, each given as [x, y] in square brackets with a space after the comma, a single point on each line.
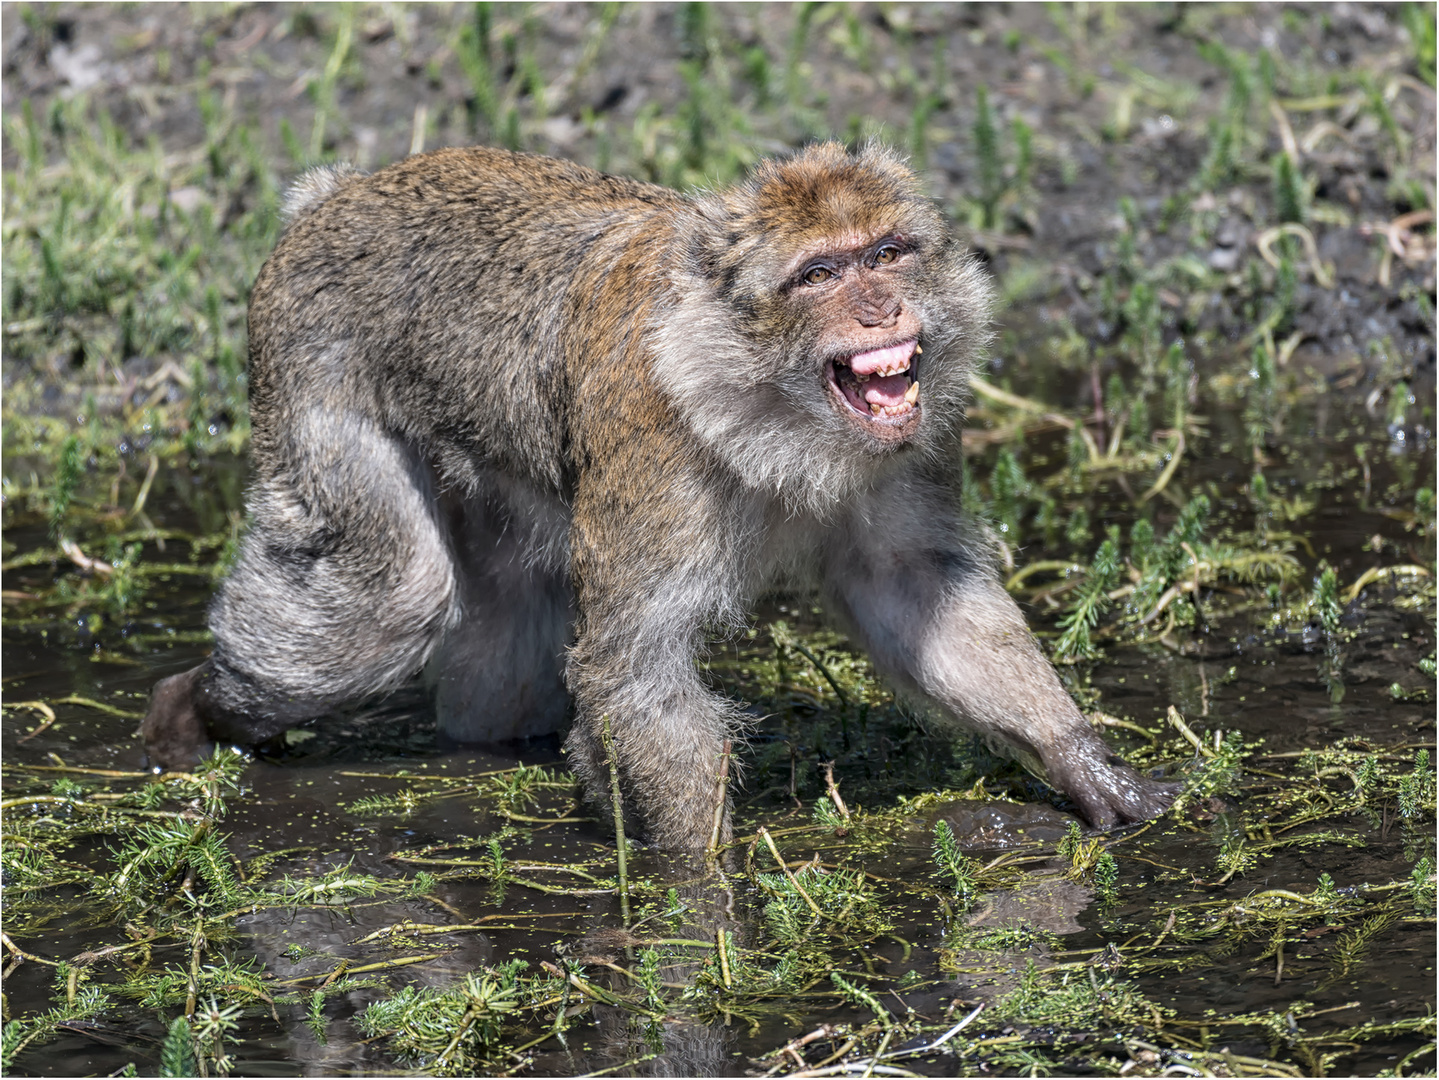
[830, 320]
[845, 276]
[869, 336]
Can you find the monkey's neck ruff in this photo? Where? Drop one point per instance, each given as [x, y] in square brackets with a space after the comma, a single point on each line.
[880, 388]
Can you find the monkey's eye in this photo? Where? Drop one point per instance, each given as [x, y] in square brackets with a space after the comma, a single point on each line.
[886, 255]
[818, 275]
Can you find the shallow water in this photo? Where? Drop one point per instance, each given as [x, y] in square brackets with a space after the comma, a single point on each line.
[1237, 675]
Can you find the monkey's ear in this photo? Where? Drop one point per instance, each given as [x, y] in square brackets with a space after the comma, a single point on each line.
[711, 240]
[315, 186]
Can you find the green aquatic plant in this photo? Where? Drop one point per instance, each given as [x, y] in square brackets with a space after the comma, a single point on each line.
[88, 1005]
[1291, 193]
[452, 1031]
[1324, 600]
[1421, 885]
[68, 470]
[177, 1052]
[1010, 490]
[862, 997]
[161, 853]
[956, 869]
[1106, 877]
[1090, 603]
[1416, 789]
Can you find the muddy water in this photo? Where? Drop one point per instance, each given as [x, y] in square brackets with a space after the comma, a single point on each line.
[1238, 673]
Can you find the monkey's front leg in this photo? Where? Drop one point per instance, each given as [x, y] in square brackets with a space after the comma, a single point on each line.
[668, 734]
[641, 615]
[941, 626]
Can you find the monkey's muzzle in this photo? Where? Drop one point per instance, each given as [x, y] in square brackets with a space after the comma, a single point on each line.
[881, 384]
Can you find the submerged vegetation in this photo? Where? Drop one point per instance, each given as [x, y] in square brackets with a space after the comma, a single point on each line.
[816, 923]
[1202, 444]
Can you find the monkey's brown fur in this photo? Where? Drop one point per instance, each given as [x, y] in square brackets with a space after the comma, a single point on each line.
[503, 403]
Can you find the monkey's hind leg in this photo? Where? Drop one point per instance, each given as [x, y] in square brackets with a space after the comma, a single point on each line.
[175, 733]
[499, 673]
[343, 586]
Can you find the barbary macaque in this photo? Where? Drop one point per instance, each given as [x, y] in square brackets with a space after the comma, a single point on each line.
[538, 431]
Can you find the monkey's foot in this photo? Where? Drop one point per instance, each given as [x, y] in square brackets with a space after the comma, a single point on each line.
[174, 731]
[1108, 791]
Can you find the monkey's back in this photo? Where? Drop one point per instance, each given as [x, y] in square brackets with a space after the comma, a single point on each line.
[445, 298]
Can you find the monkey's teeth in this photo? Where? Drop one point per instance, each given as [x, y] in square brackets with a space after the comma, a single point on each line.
[890, 410]
[912, 394]
[890, 360]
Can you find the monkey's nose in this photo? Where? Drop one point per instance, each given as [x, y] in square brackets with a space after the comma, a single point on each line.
[875, 316]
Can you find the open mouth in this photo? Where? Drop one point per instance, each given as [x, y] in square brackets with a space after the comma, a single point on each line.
[881, 384]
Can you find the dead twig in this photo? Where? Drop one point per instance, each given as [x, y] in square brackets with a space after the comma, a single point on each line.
[1323, 276]
[613, 760]
[40, 707]
[833, 789]
[84, 562]
[721, 797]
[1162, 482]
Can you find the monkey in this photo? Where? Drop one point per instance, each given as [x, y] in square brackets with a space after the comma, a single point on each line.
[536, 431]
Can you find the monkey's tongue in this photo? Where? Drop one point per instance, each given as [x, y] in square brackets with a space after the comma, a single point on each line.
[885, 390]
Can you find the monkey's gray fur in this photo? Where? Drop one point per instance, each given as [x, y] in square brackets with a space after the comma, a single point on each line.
[537, 430]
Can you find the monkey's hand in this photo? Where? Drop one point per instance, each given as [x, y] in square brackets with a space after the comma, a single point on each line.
[1108, 791]
[924, 599]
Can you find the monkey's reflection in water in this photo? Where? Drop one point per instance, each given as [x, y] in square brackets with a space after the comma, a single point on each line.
[311, 942]
[687, 1043]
